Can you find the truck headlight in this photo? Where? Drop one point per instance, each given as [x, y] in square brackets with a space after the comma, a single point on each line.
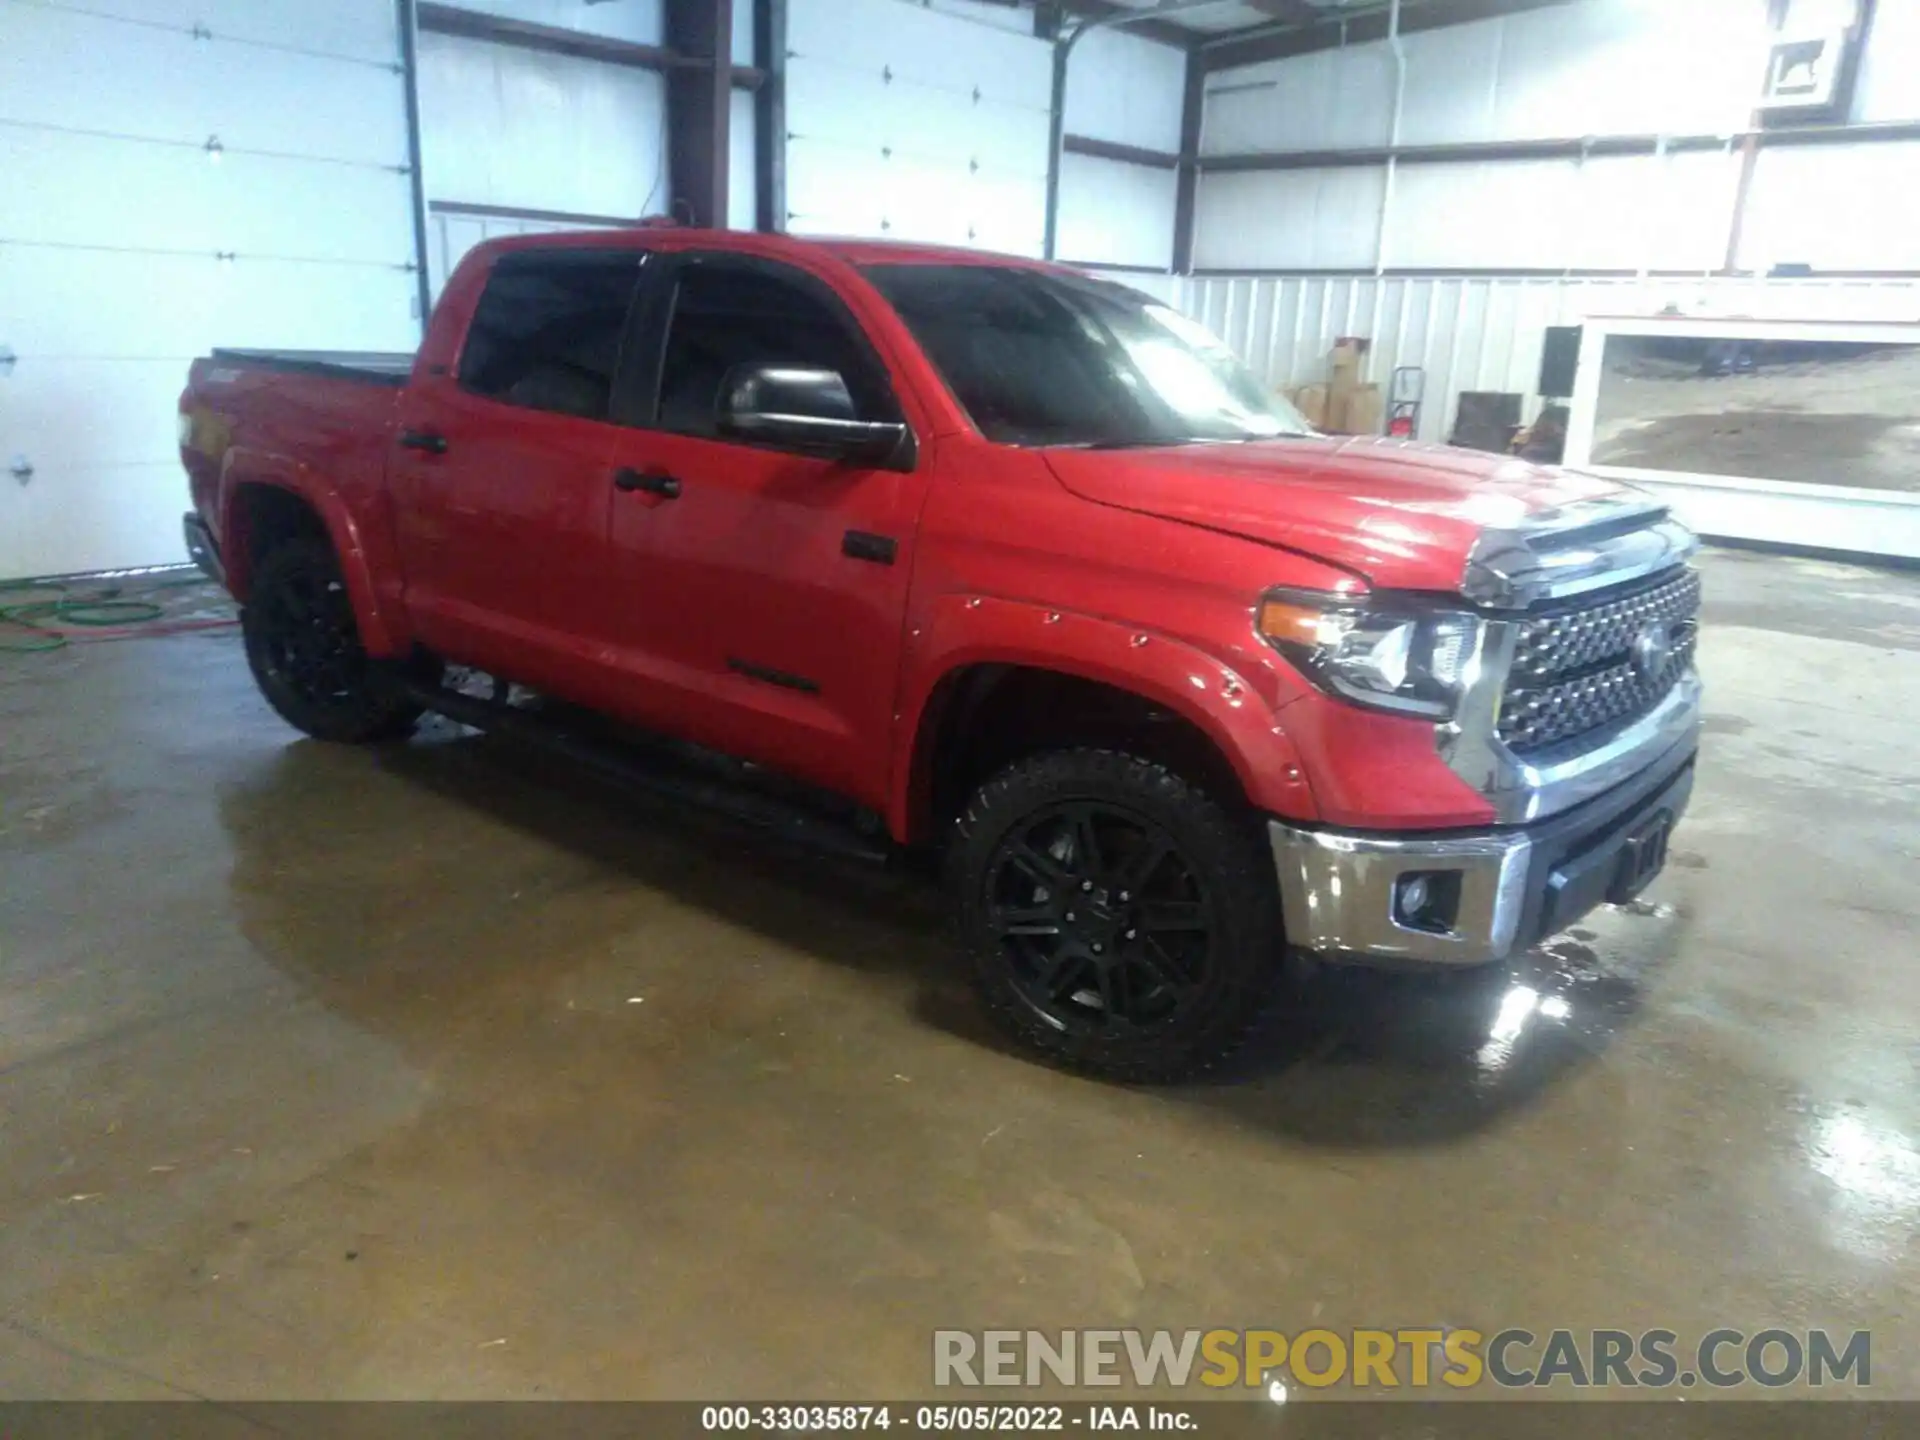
[1378, 651]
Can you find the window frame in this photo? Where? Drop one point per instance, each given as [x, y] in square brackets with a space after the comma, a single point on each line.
[637, 400]
[557, 256]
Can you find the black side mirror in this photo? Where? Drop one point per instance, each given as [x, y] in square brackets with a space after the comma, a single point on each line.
[809, 411]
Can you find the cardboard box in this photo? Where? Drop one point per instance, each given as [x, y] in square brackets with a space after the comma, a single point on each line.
[1312, 401]
[1358, 410]
[1349, 360]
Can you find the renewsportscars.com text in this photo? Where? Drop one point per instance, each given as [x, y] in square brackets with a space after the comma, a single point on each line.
[1403, 1358]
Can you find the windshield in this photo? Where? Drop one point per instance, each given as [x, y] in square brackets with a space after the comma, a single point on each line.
[1042, 358]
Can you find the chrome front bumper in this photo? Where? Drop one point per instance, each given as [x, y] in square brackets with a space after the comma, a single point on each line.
[1516, 885]
[1338, 891]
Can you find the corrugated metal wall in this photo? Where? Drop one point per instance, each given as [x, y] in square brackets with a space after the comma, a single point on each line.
[1594, 68]
[1481, 333]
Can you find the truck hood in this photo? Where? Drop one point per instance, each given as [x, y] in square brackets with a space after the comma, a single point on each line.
[1403, 515]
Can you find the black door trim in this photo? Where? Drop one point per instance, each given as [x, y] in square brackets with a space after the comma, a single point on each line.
[864, 545]
[784, 678]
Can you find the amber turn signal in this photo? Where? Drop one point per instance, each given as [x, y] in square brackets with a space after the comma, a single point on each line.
[1288, 622]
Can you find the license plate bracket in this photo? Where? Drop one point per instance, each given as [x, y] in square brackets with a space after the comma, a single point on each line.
[1642, 858]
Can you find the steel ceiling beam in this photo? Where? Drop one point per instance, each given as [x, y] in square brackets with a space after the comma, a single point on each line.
[438, 19]
[1164, 31]
[1333, 29]
[1291, 12]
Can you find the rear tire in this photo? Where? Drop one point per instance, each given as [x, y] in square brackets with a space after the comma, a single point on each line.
[1117, 920]
[304, 649]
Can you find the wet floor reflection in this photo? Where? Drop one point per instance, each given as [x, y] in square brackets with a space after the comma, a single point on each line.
[1874, 1169]
[1374, 1059]
[1353, 1058]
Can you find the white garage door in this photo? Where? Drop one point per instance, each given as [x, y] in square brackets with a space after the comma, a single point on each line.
[909, 124]
[527, 142]
[178, 174]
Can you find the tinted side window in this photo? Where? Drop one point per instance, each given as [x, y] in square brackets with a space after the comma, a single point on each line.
[727, 315]
[547, 332]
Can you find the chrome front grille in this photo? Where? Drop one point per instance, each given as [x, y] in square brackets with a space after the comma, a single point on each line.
[1586, 668]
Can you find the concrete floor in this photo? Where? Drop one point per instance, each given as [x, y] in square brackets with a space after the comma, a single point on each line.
[428, 1072]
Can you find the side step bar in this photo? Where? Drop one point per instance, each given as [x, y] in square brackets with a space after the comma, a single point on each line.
[659, 775]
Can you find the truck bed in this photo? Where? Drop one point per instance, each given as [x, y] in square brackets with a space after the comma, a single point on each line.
[371, 367]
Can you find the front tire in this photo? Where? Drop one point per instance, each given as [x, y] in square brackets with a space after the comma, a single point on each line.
[305, 652]
[1117, 919]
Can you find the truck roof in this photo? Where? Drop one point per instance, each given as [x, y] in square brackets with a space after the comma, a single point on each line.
[853, 250]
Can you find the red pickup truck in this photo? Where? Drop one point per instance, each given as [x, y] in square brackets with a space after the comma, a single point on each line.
[1009, 564]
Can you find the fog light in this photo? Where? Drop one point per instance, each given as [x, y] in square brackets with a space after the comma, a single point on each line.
[1427, 900]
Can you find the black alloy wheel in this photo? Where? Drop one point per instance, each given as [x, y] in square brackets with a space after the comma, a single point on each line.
[304, 648]
[1118, 919]
[308, 640]
[1104, 919]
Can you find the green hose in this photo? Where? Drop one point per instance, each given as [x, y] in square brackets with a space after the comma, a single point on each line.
[101, 610]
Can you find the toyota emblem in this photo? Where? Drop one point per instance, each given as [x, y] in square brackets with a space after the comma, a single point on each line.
[1652, 649]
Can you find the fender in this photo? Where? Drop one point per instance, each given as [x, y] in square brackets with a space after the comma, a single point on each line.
[959, 631]
[381, 632]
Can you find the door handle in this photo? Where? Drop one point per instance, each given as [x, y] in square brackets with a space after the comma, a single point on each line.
[665, 486]
[427, 440]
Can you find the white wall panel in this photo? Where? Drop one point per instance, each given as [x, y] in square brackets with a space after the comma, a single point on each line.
[1557, 72]
[1593, 68]
[861, 109]
[1015, 18]
[1615, 213]
[924, 48]
[1888, 88]
[640, 21]
[1127, 89]
[513, 127]
[635, 20]
[350, 31]
[1115, 213]
[113, 213]
[1620, 67]
[1288, 219]
[1328, 100]
[743, 22]
[741, 150]
[1453, 83]
[66, 70]
[1835, 207]
[911, 123]
[250, 204]
[111, 306]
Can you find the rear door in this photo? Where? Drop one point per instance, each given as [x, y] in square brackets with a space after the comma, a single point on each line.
[764, 591]
[502, 472]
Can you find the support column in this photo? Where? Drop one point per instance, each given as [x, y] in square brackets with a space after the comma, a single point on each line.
[770, 117]
[1187, 185]
[699, 89]
[407, 18]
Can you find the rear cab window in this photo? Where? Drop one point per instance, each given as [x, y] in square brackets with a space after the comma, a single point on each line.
[549, 330]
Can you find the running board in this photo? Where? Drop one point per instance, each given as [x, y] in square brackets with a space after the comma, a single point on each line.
[656, 775]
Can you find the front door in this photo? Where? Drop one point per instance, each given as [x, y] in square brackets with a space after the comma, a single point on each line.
[501, 472]
[768, 589]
